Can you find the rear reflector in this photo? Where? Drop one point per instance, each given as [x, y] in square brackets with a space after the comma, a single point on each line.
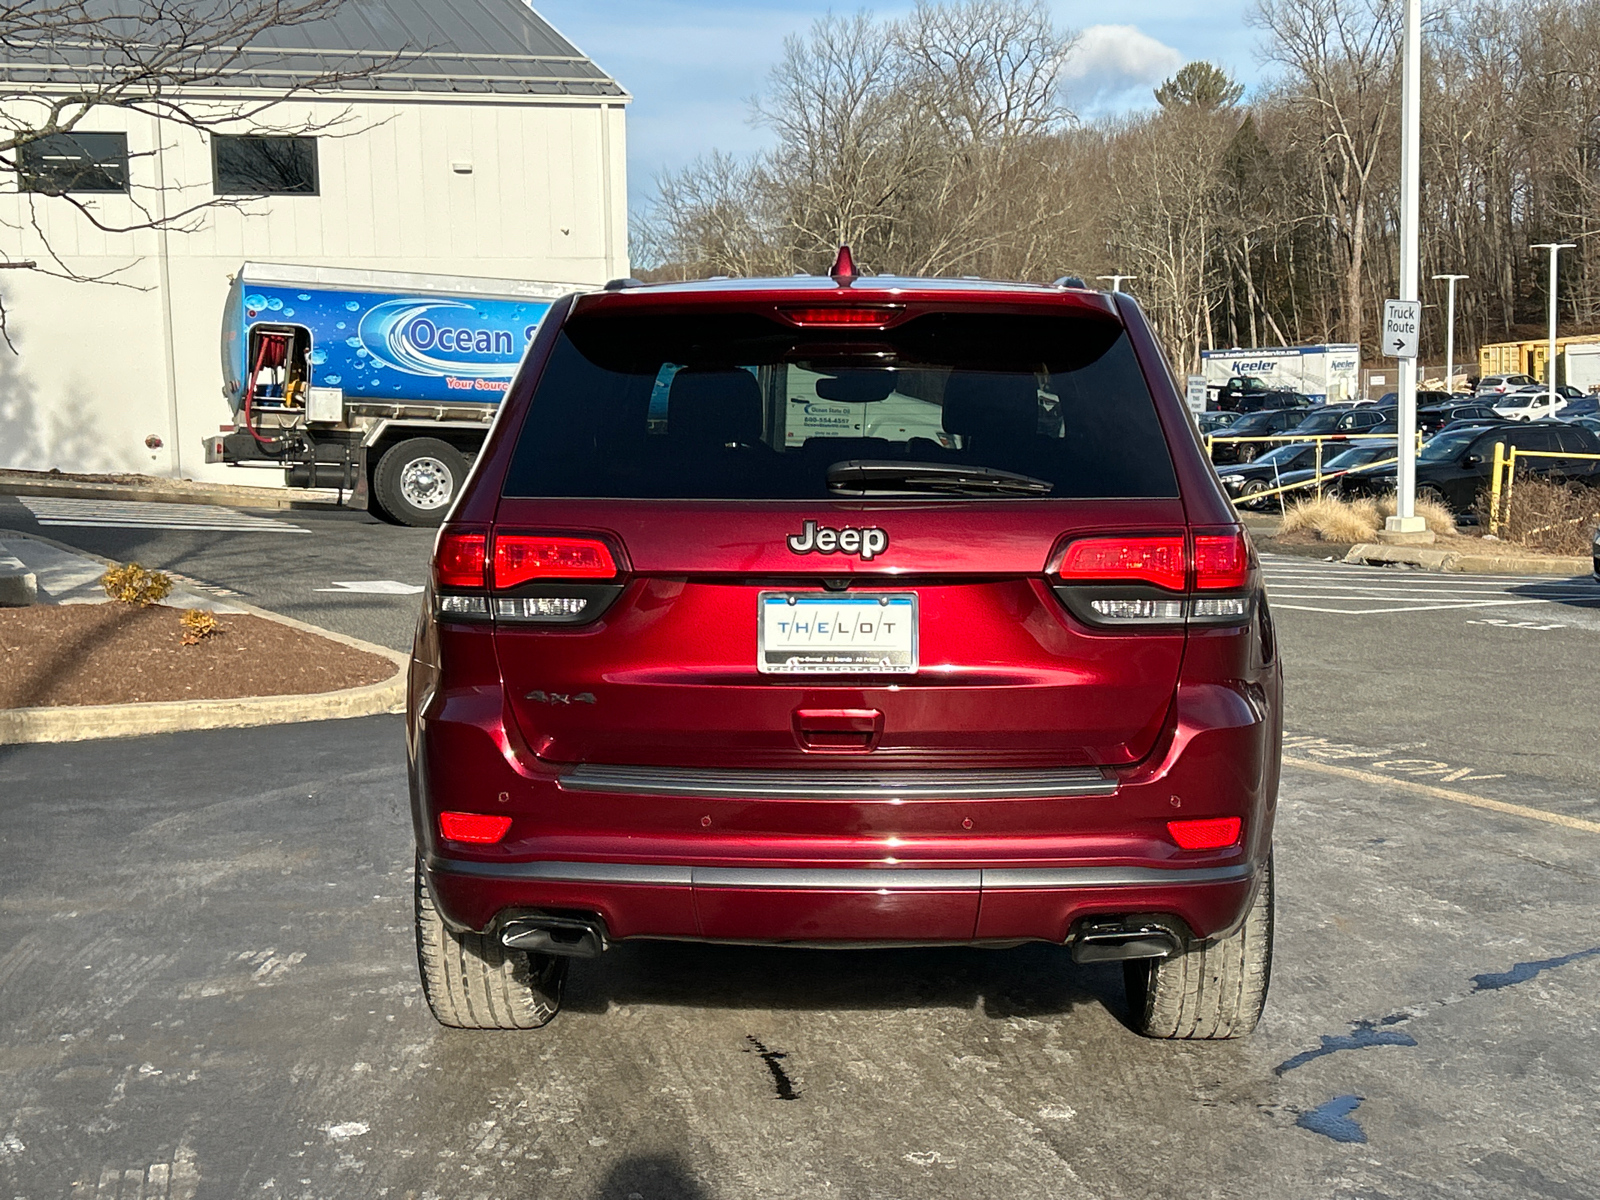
[473, 827]
[1208, 833]
[524, 558]
[1157, 560]
[458, 558]
[1221, 562]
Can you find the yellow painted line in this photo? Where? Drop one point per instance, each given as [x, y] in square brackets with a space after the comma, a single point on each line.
[1439, 793]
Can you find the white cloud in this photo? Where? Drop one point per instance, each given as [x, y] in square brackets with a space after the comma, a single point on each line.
[1114, 67]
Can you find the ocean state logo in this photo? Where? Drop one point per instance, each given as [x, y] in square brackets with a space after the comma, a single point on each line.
[440, 337]
[814, 539]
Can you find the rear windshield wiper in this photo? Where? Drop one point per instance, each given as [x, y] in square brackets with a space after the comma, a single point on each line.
[878, 477]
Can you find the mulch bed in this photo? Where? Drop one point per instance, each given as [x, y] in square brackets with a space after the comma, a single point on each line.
[122, 654]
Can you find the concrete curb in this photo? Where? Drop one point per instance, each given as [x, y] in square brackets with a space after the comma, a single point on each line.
[170, 491]
[1473, 564]
[90, 722]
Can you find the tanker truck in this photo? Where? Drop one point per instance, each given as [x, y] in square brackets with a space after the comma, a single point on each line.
[382, 385]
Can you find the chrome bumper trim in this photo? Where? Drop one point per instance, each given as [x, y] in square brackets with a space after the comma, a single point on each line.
[864, 879]
[839, 785]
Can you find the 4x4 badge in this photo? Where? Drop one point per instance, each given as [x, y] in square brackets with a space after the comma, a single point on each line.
[868, 543]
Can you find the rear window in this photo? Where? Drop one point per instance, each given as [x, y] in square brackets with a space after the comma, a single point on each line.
[735, 406]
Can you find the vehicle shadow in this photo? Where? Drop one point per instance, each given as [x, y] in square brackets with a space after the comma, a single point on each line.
[1033, 980]
[1582, 591]
[655, 1175]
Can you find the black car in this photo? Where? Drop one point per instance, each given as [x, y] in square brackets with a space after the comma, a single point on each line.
[1251, 425]
[1454, 467]
[1436, 416]
[1351, 458]
[1267, 470]
[1333, 420]
[1260, 401]
[1583, 406]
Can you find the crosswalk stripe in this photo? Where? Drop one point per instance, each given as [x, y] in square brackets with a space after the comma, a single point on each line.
[1351, 590]
[140, 514]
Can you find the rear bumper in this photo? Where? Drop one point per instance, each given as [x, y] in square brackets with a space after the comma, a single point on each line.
[855, 905]
[799, 856]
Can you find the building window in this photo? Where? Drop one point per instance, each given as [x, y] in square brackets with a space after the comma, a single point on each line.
[74, 162]
[264, 166]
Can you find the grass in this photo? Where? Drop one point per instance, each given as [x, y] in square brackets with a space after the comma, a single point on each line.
[1553, 517]
[1333, 520]
[1439, 518]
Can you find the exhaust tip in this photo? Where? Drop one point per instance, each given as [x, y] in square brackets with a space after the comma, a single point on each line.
[1119, 941]
[567, 937]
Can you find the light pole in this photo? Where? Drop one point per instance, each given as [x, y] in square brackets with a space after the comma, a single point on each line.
[1450, 332]
[1405, 520]
[1117, 280]
[1555, 248]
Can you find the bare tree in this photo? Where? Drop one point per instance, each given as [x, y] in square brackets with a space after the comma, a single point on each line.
[182, 62]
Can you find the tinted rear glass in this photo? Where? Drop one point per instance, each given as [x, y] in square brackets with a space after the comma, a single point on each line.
[734, 406]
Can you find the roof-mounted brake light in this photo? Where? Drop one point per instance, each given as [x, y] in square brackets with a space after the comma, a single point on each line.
[853, 317]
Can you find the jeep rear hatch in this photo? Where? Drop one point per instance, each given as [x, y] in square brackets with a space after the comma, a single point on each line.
[735, 538]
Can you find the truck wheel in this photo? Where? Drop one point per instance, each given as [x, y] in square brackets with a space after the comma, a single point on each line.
[1214, 991]
[473, 982]
[418, 479]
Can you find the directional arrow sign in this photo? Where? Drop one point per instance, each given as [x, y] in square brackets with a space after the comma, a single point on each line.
[1402, 325]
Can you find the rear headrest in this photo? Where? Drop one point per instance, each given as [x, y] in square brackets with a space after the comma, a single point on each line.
[989, 405]
[714, 407]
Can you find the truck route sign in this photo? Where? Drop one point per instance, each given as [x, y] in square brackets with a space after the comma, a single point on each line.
[1402, 324]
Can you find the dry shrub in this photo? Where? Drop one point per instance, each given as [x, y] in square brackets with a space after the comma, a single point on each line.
[1333, 520]
[198, 625]
[1555, 517]
[1439, 519]
[134, 584]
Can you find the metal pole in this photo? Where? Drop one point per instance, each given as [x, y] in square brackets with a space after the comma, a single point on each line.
[1450, 332]
[1405, 519]
[1555, 248]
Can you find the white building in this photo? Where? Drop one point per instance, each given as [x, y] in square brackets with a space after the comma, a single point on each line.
[499, 150]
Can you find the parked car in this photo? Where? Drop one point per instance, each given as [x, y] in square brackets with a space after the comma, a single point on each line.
[735, 672]
[1590, 423]
[1352, 458]
[1435, 417]
[1251, 425]
[1238, 388]
[1278, 398]
[1264, 473]
[1424, 399]
[1581, 406]
[1498, 385]
[1454, 467]
[1214, 421]
[1334, 419]
[1530, 404]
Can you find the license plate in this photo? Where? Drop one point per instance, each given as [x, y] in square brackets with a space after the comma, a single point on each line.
[868, 634]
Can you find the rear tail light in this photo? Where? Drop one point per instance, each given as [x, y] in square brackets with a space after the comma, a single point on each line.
[1206, 833]
[1157, 560]
[554, 579]
[459, 558]
[524, 558]
[481, 828]
[1121, 580]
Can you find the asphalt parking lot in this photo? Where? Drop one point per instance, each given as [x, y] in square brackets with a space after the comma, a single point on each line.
[207, 983]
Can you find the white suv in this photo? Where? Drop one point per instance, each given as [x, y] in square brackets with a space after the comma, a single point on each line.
[1499, 385]
[1533, 402]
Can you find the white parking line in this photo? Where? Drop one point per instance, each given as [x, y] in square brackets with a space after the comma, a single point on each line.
[1349, 590]
[141, 514]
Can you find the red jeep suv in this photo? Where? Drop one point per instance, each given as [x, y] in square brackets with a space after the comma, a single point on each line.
[845, 611]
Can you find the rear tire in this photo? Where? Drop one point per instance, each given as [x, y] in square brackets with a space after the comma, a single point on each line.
[417, 481]
[473, 982]
[1252, 489]
[1212, 992]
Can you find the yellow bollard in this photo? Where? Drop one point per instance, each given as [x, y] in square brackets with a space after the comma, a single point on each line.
[1511, 480]
[1494, 488]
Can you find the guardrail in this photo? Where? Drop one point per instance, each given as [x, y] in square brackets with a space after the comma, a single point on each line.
[1318, 478]
[1505, 466]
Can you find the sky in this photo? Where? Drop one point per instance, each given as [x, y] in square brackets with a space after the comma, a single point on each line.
[693, 65]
